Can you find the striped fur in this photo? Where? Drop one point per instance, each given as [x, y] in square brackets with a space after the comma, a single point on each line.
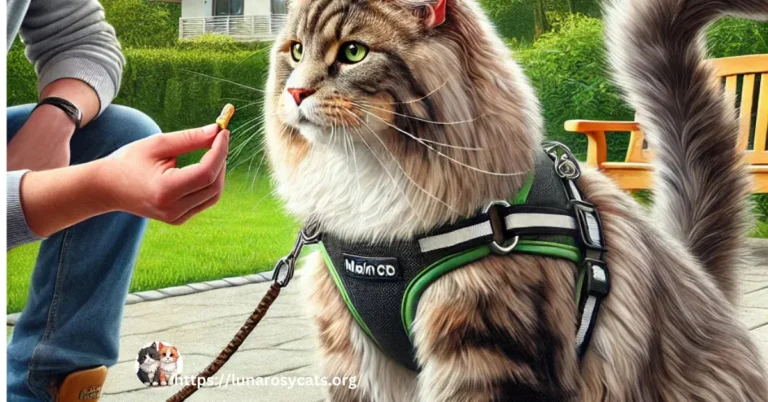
[657, 50]
[426, 129]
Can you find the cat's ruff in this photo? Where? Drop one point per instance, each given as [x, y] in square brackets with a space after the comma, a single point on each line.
[382, 283]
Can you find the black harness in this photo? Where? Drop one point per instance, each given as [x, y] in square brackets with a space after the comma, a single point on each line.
[548, 217]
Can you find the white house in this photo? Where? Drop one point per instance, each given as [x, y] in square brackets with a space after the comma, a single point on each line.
[245, 20]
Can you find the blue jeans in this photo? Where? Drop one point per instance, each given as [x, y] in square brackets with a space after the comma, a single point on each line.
[72, 317]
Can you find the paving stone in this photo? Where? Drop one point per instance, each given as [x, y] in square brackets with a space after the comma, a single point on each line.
[255, 278]
[237, 280]
[283, 345]
[132, 298]
[177, 290]
[200, 286]
[150, 295]
[12, 318]
[218, 284]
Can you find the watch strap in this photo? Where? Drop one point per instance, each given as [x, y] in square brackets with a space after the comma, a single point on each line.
[68, 107]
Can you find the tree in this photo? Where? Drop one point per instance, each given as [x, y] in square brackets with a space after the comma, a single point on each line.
[540, 17]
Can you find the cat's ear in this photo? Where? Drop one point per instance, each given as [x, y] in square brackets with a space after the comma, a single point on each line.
[431, 12]
[437, 14]
[160, 346]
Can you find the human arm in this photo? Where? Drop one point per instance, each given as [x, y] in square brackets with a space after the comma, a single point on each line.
[140, 178]
[77, 57]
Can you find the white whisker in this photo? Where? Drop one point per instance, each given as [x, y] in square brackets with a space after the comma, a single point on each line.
[446, 123]
[399, 166]
[226, 80]
[422, 142]
[442, 144]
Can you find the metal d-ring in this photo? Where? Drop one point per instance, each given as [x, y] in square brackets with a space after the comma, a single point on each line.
[506, 248]
[492, 204]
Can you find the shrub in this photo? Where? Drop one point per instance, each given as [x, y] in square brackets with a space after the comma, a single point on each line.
[142, 23]
[178, 89]
[181, 89]
[735, 37]
[512, 18]
[21, 78]
[219, 43]
[568, 68]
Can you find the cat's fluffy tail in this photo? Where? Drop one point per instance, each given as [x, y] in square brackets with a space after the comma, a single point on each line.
[657, 51]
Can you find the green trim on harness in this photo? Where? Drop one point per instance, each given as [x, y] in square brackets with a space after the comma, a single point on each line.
[522, 195]
[425, 278]
[417, 286]
[549, 249]
[343, 291]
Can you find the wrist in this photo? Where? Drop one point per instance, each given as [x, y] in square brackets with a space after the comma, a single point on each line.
[101, 185]
[55, 118]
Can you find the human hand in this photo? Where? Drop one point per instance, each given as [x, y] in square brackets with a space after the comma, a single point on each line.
[142, 177]
[42, 143]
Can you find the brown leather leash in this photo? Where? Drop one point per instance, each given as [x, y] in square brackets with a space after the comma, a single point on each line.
[283, 273]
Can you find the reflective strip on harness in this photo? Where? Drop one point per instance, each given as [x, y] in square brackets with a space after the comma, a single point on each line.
[455, 237]
[529, 220]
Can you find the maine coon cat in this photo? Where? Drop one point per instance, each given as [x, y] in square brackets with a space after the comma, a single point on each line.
[169, 367]
[148, 364]
[385, 120]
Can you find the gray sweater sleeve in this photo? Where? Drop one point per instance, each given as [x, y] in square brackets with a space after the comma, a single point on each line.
[71, 39]
[18, 230]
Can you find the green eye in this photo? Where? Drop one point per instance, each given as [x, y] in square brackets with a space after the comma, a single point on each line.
[297, 50]
[352, 52]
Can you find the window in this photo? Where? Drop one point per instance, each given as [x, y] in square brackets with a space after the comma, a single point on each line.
[278, 7]
[228, 7]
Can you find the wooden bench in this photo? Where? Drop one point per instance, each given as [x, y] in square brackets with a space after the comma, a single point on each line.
[636, 172]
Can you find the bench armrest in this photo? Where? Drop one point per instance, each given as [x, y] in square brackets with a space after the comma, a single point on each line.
[585, 126]
[597, 149]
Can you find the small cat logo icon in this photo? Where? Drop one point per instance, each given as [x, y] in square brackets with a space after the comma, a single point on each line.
[91, 393]
[158, 364]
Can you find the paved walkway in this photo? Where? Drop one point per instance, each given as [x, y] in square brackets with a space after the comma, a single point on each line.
[283, 345]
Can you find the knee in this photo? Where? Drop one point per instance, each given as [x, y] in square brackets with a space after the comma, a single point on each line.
[124, 125]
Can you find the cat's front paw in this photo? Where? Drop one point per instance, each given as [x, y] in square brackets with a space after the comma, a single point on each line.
[146, 383]
[154, 383]
[163, 383]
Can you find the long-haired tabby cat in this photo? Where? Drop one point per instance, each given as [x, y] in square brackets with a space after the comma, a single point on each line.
[384, 121]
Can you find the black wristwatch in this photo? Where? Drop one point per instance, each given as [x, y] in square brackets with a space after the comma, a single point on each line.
[68, 107]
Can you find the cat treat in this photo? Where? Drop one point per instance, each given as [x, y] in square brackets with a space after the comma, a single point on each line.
[226, 115]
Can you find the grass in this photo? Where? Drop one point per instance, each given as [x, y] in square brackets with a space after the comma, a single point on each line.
[245, 233]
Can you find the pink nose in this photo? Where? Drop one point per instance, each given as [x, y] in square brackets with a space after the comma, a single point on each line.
[299, 94]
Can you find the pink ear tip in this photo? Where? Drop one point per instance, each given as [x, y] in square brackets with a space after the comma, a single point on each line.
[438, 13]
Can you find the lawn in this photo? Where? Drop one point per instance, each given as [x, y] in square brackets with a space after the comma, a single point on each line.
[245, 233]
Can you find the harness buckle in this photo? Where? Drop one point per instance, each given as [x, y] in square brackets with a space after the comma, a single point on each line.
[598, 280]
[589, 225]
[507, 246]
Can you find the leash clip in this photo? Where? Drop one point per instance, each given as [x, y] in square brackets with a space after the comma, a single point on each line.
[284, 268]
[566, 165]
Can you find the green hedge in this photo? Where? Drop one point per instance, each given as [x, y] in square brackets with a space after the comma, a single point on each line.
[143, 23]
[177, 88]
[568, 69]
